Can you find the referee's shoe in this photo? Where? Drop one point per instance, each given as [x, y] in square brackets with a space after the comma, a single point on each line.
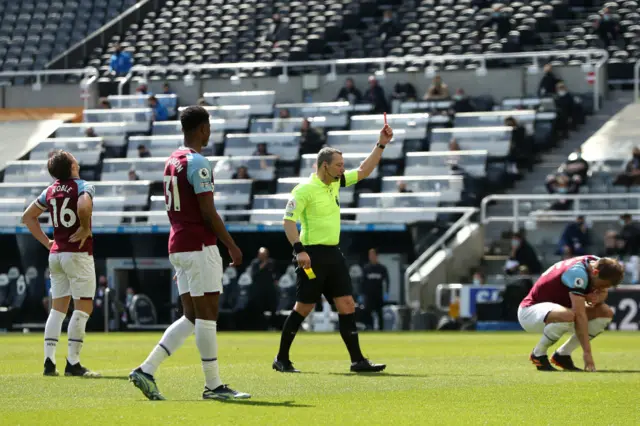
[366, 366]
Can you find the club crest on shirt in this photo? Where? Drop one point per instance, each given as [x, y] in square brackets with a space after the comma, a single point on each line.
[579, 283]
[204, 173]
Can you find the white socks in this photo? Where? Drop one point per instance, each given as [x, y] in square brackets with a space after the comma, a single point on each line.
[75, 331]
[208, 347]
[550, 335]
[170, 342]
[52, 333]
[596, 326]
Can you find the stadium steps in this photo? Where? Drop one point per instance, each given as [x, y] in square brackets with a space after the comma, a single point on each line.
[551, 161]
[21, 136]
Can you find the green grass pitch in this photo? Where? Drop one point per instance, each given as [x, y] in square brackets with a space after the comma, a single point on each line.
[431, 378]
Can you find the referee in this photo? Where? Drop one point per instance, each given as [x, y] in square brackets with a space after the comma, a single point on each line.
[315, 203]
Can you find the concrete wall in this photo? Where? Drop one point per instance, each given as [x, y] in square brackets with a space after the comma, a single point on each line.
[499, 83]
[51, 95]
[448, 265]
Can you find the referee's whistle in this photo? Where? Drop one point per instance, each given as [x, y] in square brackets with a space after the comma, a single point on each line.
[310, 273]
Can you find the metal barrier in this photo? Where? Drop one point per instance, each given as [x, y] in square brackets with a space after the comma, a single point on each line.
[636, 81]
[440, 243]
[595, 59]
[89, 76]
[555, 215]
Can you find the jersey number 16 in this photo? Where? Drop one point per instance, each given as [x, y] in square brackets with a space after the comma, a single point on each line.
[67, 216]
[171, 194]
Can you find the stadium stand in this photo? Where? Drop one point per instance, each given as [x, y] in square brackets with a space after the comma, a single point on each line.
[33, 32]
[297, 31]
[264, 142]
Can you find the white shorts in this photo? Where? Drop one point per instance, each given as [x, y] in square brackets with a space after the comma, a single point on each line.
[532, 317]
[72, 274]
[198, 272]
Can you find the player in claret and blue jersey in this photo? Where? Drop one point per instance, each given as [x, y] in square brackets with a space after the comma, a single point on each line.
[570, 295]
[69, 201]
[195, 228]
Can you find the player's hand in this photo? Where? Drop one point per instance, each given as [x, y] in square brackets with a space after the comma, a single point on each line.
[303, 259]
[80, 235]
[386, 134]
[236, 256]
[589, 365]
[50, 244]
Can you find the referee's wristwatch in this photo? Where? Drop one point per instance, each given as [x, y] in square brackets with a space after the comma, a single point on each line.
[379, 145]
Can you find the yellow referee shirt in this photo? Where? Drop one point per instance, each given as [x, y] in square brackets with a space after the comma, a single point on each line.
[317, 207]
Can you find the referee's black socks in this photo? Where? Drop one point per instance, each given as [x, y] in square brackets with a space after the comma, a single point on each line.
[349, 333]
[289, 330]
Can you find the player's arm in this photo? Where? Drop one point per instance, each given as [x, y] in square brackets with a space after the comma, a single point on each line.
[295, 208]
[581, 321]
[85, 210]
[371, 162]
[30, 219]
[576, 279]
[199, 176]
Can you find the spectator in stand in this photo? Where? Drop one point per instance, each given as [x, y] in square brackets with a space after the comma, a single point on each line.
[284, 113]
[375, 95]
[160, 112]
[90, 132]
[278, 30]
[104, 103]
[499, 20]
[166, 89]
[143, 89]
[613, 246]
[631, 175]
[462, 102]
[121, 63]
[548, 82]
[263, 292]
[438, 90]
[629, 235]
[203, 102]
[607, 27]
[453, 145]
[133, 175]
[143, 151]
[402, 188]
[522, 254]
[575, 238]
[389, 28]
[562, 184]
[349, 92]
[310, 138]
[261, 149]
[565, 109]
[404, 92]
[576, 166]
[520, 151]
[241, 173]
[479, 278]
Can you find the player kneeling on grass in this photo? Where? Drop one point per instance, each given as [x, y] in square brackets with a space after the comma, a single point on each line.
[69, 202]
[570, 296]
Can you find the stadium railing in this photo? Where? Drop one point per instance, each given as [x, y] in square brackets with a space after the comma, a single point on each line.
[595, 59]
[413, 274]
[520, 212]
[636, 81]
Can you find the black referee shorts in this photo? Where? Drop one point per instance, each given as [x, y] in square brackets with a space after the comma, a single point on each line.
[332, 275]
